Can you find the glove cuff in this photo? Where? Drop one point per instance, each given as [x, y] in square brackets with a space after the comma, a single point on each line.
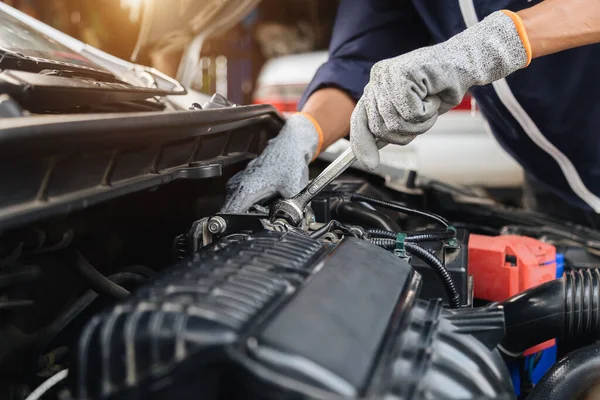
[522, 33]
[319, 132]
[489, 50]
[308, 136]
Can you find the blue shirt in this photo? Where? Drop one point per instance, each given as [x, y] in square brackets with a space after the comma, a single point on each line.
[547, 116]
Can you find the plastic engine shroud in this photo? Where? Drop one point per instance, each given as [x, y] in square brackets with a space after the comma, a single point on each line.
[281, 315]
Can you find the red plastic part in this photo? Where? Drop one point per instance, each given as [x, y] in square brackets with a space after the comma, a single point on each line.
[503, 266]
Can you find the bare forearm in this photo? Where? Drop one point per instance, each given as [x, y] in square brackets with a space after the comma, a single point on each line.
[332, 109]
[557, 25]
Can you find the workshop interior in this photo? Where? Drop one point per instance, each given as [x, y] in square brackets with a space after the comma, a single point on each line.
[121, 122]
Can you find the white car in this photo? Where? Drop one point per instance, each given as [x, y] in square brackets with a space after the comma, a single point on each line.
[459, 149]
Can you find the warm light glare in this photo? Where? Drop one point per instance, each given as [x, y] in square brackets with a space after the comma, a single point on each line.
[135, 8]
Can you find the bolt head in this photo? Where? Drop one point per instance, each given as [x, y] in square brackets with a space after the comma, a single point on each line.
[287, 210]
[216, 225]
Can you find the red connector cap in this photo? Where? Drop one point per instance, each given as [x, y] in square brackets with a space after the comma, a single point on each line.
[503, 266]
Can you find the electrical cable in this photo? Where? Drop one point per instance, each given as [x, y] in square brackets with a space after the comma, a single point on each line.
[381, 233]
[386, 243]
[430, 237]
[360, 214]
[440, 269]
[430, 259]
[396, 207]
[98, 282]
[414, 237]
[48, 384]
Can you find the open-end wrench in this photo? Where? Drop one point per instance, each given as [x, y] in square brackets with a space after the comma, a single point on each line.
[292, 210]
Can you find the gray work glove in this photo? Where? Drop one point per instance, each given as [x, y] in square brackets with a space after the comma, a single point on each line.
[282, 168]
[406, 94]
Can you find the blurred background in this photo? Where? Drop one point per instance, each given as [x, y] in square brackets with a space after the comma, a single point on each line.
[230, 62]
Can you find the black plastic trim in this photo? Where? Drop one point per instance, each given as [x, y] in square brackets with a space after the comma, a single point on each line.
[49, 92]
[51, 165]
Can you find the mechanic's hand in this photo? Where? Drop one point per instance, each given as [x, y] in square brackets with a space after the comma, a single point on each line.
[282, 168]
[406, 94]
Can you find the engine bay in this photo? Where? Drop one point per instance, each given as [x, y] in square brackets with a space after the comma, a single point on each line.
[410, 290]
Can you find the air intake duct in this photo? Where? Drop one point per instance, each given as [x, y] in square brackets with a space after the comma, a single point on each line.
[563, 308]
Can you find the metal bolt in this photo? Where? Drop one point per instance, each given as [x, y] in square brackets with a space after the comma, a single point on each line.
[216, 225]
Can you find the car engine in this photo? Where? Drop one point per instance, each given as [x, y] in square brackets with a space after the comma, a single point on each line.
[386, 290]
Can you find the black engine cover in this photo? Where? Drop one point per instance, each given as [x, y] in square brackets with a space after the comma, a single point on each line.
[281, 316]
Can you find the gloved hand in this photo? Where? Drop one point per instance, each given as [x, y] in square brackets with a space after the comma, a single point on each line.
[406, 94]
[282, 168]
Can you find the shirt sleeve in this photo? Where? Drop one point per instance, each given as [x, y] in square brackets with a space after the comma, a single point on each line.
[365, 32]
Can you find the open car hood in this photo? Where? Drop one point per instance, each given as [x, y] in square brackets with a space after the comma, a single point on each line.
[174, 26]
[134, 74]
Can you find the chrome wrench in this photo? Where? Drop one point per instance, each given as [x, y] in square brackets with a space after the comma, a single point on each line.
[292, 210]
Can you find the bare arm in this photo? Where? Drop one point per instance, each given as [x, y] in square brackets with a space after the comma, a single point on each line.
[557, 25]
[332, 109]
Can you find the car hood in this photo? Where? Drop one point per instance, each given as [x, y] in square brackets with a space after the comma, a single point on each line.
[175, 25]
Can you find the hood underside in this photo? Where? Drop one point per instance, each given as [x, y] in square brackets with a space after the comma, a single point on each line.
[172, 25]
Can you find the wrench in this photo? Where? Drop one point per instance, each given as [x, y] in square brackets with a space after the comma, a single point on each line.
[292, 210]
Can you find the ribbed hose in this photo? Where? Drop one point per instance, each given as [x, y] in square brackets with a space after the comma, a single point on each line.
[430, 259]
[414, 237]
[381, 233]
[563, 308]
[582, 302]
[571, 377]
[396, 207]
[388, 244]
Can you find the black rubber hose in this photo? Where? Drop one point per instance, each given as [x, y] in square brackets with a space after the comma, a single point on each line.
[141, 270]
[414, 237]
[358, 214]
[397, 207]
[322, 230]
[98, 282]
[440, 269]
[534, 316]
[14, 304]
[430, 259]
[571, 377]
[26, 273]
[76, 308]
[562, 308]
